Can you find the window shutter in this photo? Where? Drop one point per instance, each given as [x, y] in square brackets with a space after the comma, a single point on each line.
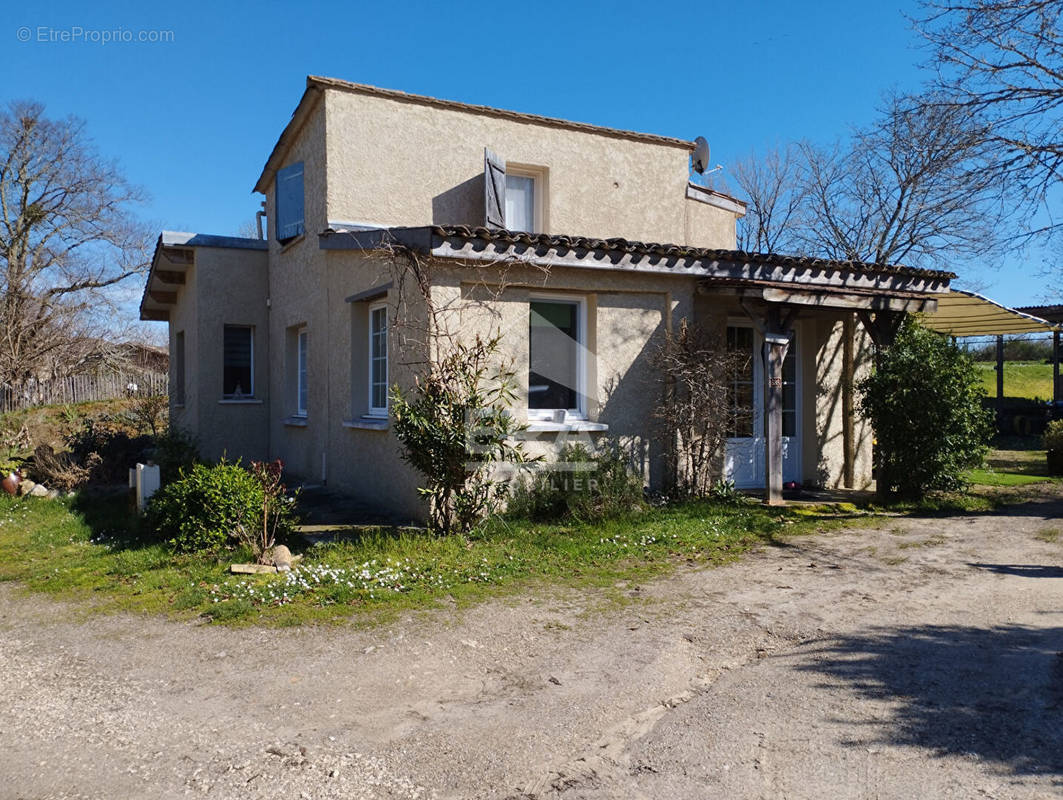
[290, 202]
[494, 190]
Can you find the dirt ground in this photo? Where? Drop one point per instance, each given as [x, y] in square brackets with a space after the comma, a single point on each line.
[923, 658]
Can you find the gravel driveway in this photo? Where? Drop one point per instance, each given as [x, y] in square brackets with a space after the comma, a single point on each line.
[923, 658]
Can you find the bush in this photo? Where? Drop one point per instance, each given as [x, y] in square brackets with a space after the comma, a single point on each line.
[174, 451]
[924, 401]
[580, 492]
[116, 449]
[1054, 446]
[205, 507]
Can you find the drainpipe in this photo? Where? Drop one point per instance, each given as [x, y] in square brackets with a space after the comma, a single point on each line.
[259, 216]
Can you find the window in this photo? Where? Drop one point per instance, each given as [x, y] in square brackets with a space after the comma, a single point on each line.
[520, 202]
[740, 346]
[179, 368]
[289, 202]
[302, 342]
[238, 373]
[789, 390]
[378, 360]
[556, 357]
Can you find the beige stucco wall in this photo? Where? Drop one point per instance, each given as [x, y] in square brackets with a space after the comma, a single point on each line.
[229, 288]
[393, 162]
[183, 319]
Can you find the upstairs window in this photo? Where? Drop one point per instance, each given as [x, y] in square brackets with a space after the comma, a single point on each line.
[555, 357]
[238, 373]
[520, 202]
[289, 202]
[378, 360]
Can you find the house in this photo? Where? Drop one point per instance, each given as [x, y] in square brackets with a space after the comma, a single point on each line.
[582, 244]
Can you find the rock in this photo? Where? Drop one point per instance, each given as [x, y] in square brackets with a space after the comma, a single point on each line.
[53, 494]
[282, 558]
[25, 487]
[39, 491]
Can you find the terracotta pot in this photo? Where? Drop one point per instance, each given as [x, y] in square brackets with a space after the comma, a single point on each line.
[11, 482]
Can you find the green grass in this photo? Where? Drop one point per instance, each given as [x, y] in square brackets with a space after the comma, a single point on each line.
[81, 550]
[1021, 379]
[1021, 464]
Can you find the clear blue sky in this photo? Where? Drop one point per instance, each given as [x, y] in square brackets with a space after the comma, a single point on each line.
[193, 119]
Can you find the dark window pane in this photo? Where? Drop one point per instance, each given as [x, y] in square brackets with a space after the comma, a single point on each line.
[553, 375]
[236, 371]
[789, 423]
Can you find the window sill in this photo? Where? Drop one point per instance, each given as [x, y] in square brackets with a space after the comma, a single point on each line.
[575, 426]
[243, 401]
[368, 423]
[288, 245]
[295, 421]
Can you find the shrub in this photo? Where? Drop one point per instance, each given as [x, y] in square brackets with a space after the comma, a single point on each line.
[454, 428]
[205, 507]
[1054, 446]
[274, 519]
[924, 401]
[116, 449]
[174, 451]
[592, 486]
[58, 470]
[724, 491]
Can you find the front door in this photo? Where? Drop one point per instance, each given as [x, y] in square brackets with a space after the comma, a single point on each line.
[744, 451]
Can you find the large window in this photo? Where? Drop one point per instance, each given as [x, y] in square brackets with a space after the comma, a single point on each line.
[520, 202]
[238, 373]
[378, 360]
[740, 382]
[555, 357]
[789, 390]
[302, 391]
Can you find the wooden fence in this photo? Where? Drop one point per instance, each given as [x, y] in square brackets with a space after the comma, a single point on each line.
[82, 389]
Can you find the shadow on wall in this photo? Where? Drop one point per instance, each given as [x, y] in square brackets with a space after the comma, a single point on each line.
[995, 692]
[461, 205]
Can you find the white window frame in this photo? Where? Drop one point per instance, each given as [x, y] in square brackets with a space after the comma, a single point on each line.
[538, 176]
[580, 412]
[376, 411]
[247, 395]
[302, 371]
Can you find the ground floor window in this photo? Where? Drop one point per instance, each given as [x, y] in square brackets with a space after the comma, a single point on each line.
[378, 360]
[302, 390]
[238, 373]
[556, 357]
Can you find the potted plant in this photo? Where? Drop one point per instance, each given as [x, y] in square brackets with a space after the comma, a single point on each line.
[1054, 446]
[12, 476]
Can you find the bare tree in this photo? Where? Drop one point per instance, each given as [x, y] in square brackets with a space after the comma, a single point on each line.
[772, 186]
[1003, 59]
[66, 234]
[914, 189]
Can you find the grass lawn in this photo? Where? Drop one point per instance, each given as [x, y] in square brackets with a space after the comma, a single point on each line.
[79, 549]
[1031, 379]
[1017, 461]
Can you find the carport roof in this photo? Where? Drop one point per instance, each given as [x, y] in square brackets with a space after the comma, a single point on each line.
[961, 313]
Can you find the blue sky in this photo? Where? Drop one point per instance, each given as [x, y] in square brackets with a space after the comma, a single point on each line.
[193, 119]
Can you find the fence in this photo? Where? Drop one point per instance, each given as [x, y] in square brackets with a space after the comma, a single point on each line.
[82, 389]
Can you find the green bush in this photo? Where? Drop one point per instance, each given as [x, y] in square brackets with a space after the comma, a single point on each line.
[107, 448]
[1054, 446]
[593, 486]
[924, 401]
[205, 507]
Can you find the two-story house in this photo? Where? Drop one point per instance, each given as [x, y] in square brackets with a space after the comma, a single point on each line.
[583, 245]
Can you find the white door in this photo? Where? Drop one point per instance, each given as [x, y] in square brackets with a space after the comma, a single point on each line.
[744, 451]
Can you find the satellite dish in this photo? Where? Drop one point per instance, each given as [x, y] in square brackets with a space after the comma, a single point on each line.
[700, 159]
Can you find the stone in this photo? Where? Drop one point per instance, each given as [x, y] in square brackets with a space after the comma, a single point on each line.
[39, 491]
[26, 487]
[53, 494]
[282, 558]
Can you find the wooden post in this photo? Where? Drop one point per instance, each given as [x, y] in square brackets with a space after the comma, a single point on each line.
[1000, 380]
[848, 413]
[775, 347]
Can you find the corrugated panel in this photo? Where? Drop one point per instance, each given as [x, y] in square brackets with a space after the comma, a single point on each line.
[962, 313]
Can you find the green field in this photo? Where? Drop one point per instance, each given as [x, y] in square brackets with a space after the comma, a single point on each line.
[1021, 379]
